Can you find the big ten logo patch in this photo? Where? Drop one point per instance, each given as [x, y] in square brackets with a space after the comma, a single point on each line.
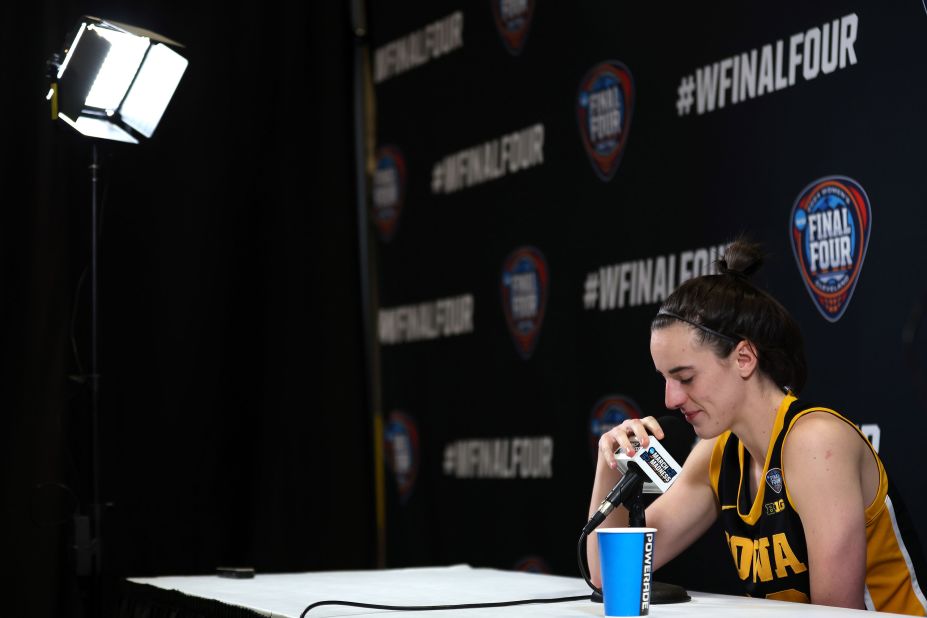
[776, 506]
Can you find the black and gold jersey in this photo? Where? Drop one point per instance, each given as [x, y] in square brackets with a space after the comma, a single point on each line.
[766, 538]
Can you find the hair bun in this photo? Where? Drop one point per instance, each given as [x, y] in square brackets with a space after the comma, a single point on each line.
[742, 258]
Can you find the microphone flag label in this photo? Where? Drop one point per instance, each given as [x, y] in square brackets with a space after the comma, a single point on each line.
[513, 21]
[603, 111]
[660, 467]
[524, 296]
[389, 189]
[829, 228]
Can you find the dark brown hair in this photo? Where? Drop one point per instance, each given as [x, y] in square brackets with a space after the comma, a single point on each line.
[726, 308]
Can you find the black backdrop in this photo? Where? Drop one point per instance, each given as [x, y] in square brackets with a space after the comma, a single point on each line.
[454, 84]
[231, 351]
[231, 344]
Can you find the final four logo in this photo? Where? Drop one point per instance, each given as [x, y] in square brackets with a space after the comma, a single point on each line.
[603, 109]
[389, 187]
[774, 480]
[513, 20]
[401, 438]
[830, 227]
[608, 412]
[524, 296]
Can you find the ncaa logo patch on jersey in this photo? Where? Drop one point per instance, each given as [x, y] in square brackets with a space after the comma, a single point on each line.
[608, 412]
[603, 110]
[389, 188]
[524, 296]
[829, 228]
[401, 441]
[774, 480]
[513, 21]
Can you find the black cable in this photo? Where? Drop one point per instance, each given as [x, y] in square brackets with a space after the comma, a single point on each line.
[426, 608]
[583, 569]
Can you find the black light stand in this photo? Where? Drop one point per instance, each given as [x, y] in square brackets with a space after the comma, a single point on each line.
[121, 101]
[87, 527]
[96, 507]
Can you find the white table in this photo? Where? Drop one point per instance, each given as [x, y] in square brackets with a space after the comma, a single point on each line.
[287, 595]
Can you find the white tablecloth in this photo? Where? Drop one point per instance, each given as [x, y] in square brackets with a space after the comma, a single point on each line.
[287, 595]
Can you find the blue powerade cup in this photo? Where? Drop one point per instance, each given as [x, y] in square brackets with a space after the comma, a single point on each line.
[626, 560]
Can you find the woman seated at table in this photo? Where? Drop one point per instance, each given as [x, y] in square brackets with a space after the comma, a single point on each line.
[802, 496]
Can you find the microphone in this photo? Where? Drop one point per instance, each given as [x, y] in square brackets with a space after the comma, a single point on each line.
[652, 470]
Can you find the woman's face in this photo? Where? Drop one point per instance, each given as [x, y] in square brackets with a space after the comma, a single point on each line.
[705, 388]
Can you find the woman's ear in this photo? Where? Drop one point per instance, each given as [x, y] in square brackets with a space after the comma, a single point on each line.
[746, 357]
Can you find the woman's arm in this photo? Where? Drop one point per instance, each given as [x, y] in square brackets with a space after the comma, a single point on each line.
[681, 515]
[825, 463]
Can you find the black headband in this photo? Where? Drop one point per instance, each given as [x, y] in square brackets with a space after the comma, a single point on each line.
[702, 327]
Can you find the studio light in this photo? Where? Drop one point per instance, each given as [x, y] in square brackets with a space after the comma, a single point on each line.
[111, 81]
[114, 81]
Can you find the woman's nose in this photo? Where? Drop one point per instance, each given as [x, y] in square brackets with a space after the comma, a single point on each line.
[674, 396]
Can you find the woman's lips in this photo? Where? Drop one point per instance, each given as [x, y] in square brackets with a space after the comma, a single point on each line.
[689, 415]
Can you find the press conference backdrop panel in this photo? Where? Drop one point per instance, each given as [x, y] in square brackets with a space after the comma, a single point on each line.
[547, 172]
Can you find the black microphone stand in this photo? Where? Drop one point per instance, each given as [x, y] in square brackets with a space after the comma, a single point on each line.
[635, 505]
[659, 592]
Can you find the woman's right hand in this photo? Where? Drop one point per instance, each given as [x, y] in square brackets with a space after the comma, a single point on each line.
[681, 515]
[620, 436]
[607, 475]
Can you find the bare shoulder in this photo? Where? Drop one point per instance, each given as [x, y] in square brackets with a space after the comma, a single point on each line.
[827, 463]
[822, 433]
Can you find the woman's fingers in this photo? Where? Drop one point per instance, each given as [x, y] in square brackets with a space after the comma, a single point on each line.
[620, 437]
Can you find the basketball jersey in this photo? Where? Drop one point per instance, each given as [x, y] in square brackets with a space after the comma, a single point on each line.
[766, 538]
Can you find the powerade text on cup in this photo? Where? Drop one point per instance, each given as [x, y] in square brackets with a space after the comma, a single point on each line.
[626, 559]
